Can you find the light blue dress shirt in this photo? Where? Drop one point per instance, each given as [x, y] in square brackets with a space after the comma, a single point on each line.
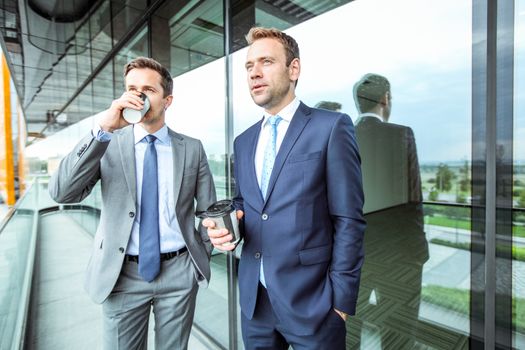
[170, 234]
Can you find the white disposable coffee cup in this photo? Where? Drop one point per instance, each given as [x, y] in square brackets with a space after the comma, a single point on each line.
[134, 116]
[224, 215]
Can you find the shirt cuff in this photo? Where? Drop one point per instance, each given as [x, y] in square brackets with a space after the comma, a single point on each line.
[101, 135]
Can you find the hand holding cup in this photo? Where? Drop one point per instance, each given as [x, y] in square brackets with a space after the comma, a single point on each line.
[221, 237]
[112, 119]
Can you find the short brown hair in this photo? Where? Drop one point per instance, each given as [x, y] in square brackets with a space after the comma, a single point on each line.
[290, 45]
[146, 62]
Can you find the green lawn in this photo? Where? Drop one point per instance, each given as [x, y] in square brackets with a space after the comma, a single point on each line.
[518, 253]
[458, 300]
[448, 222]
[463, 223]
[518, 231]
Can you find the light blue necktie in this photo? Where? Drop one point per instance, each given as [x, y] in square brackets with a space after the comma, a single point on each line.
[269, 154]
[269, 159]
[149, 246]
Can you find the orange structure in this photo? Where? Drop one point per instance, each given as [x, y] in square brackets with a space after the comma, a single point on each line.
[7, 167]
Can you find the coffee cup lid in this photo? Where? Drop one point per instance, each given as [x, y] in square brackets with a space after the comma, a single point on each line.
[219, 208]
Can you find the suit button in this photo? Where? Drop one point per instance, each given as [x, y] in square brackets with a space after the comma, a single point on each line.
[257, 255]
[121, 250]
[131, 214]
[264, 216]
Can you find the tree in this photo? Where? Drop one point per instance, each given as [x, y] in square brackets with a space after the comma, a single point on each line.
[444, 177]
[464, 183]
[433, 195]
[461, 198]
[521, 201]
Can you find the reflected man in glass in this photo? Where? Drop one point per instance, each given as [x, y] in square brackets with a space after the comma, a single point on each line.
[300, 197]
[147, 253]
[329, 105]
[394, 241]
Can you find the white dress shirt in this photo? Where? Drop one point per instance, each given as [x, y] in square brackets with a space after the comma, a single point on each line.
[170, 233]
[287, 114]
[368, 114]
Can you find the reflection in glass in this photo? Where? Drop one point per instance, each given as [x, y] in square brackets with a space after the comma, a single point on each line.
[100, 27]
[518, 181]
[193, 36]
[103, 89]
[392, 273]
[389, 159]
[416, 278]
[125, 13]
[83, 52]
[15, 242]
[278, 14]
[391, 282]
[195, 31]
[198, 111]
[137, 46]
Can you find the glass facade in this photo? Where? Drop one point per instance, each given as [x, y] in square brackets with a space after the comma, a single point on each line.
[407, 295]
[444, 176]
[518, 181]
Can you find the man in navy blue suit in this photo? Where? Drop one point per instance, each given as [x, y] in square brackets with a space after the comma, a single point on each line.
[299, 198]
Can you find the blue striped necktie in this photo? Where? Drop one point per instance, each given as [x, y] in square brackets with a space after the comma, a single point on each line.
[149, 246]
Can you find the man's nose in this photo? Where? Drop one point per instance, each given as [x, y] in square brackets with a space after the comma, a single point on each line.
[256, 71]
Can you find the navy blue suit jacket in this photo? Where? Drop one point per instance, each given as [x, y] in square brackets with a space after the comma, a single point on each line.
[310, 226]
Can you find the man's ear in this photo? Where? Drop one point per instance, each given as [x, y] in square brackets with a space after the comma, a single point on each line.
[294, 69]
[169, 100]
[384, 100]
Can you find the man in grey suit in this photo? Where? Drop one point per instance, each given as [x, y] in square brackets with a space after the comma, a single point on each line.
[144, 256]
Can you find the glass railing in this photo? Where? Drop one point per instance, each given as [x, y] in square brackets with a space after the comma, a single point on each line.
[18, 236]
[17, 252]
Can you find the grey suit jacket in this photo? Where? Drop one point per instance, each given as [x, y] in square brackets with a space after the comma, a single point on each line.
[113, 163]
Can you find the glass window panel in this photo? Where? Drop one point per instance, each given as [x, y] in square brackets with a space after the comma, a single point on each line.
[83, 50]
[137, 46]
[125, 13]
[192, 37]
[15, 242]
[70, 62]
[85, 105]
[103, 89]
[206, 122]
[80, 108]
[277, 14]
[195, 33]
[518, 188]
[415, 286]
[100, 24]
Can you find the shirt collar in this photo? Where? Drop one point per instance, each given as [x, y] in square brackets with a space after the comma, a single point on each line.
[368, 114]
[286, 113]
[161, 134]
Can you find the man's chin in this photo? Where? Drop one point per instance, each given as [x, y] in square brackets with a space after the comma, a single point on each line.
[148, 120]
[260, 101]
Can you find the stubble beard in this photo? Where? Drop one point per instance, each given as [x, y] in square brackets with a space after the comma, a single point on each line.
[151, 119]
[268, 100]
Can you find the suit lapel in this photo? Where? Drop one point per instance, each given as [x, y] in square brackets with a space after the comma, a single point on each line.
[252, 189]
[126, 145]
[178, 148]
[299, 121]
